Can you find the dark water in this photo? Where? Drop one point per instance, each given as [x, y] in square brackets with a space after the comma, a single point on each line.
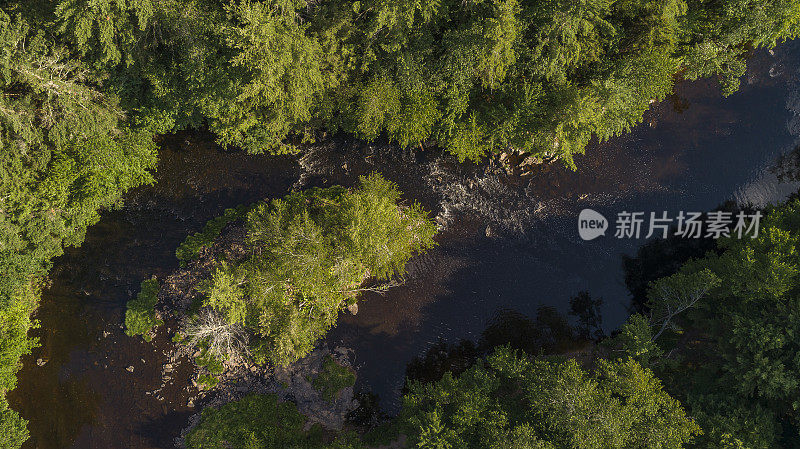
[694, 151]
[84, 397]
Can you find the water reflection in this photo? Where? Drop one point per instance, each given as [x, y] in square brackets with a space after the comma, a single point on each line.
[96, 387]
[548, 332]
[61, 379]
[695, 151]
[510, 243]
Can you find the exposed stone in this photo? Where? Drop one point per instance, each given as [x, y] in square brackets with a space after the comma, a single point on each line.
[530, 161]
[353, 308]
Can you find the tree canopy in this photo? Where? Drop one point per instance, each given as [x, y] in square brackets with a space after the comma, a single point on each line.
[86, 84]
[722, 333]
[512, 401]
[474, 77]
[308, 255]
[66, 151]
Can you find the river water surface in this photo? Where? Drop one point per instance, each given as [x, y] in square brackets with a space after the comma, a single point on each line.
[694, 151]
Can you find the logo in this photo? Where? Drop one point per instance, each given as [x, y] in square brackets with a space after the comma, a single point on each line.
[591, 224]
[715, 224]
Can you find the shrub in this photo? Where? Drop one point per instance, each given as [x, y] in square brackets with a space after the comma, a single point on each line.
[190, 248]
[333, 378]
[140, 318]
[219, 339]
[259, 421]
[13, 431]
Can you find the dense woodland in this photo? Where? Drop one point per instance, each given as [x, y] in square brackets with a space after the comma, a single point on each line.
[88, 84]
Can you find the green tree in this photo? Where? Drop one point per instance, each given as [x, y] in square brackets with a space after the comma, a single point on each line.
[635, 340]
[308, 256]
[473, 76]
[720, 34]
[65, 153]
[509, 400]
[140, 316]
[587, 311]
[104, 30]
[729, 321]
[13, 431]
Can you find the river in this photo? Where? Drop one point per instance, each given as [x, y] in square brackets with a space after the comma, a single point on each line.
[693, 151]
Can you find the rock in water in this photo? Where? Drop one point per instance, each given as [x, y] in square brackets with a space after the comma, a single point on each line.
[353, 308]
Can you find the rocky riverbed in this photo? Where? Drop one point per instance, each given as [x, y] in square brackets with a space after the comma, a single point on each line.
[178, 299]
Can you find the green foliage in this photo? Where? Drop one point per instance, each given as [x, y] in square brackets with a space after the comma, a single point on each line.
[86, 88]
[253, 418]
[728, 421]
[333, 378]
[209, 361]
[721, 31]
[190, 248]
[673, 295]
[743, 331]
[65, 153]
[104, 29]
[140, 316]
[282, 78]
[207, 380]
[259, 422]
[15, 321]
[474, 77]
[247, 69]
[382, 434]
[308, 256]
[512, 401]
[13, 431]
[635, 341]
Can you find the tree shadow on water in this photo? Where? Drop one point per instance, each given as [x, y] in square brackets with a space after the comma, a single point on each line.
[161, 431]
[549, 332]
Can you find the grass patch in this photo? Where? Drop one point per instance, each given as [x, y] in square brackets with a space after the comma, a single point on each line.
[333, 378]
[210, 362]
[190, 249]
[207, 380]
[140, 318]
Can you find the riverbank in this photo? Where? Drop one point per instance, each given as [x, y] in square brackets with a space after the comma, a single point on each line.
[84, 397]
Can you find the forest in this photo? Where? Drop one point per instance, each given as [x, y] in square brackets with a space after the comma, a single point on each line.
[89, 87]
